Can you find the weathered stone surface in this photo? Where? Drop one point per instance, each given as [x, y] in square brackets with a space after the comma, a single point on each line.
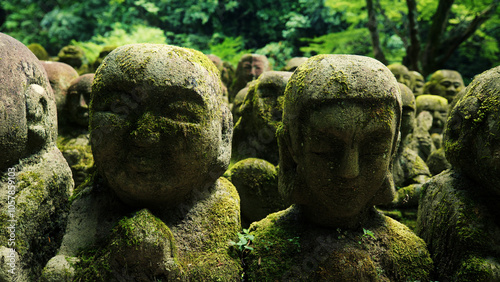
[288, 248]
[261, 111]
[472, 140]
[61, 76]
[337, 109]
[78, 100]
[294, 63]
[257, 183]
[458, 213]
[460, 228]
[156, 207]
[35, 180]
[401, 73]
[148, 95]
[250, 67]
[417, 83]
[445, 83]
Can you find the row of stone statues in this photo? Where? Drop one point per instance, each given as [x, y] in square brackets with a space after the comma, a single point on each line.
[161, 204]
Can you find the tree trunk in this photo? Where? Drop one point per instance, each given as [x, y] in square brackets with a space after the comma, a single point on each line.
[461, 34]
[412, 58]
[372, 27]
[436, 31]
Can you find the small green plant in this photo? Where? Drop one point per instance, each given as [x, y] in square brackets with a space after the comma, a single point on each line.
[367, 233]
[295, 241]
[244, 241]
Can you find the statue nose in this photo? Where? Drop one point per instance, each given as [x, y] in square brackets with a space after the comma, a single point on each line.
[349, 167]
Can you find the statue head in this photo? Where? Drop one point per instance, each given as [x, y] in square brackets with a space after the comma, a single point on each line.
[340, 129]
[445, 83]
[409, 110]
[28, 121]
[159, 128]
[417, 83]
[437, 106]
[261, 112]
[293, 63]
[60, 77]
[78, 100]
[472, 135]
[401, 73]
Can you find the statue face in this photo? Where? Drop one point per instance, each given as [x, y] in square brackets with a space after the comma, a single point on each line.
[252, 67]
[401, 73]
[27, 106]
[78, 100]
[268, 100]
[155, 142]
[438, 108]
[346, 156]
[450, 84]
[417, 82]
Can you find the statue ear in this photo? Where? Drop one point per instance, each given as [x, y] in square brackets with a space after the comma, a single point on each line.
[226, 136]
[385, 195]
[41, 117]
[287, 169]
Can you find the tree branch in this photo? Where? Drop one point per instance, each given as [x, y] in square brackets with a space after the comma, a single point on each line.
[462, 34]
[372, 27]
[413, 50]
[388, 22]
[439, 21]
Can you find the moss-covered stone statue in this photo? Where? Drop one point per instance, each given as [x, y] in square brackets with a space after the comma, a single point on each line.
[73, 139]
[35, 180]
[294, 63]
[417, 83]
[157, 208]
[409, 170]
[39, 51]
[437, 106]
[102, 54]
[458, 214]
[401, 73]
[340, 128]
[220, 66]
[445, 83]
[60, 77]
[261, 111]
[75, 57]
[255, 148]
[250, 66]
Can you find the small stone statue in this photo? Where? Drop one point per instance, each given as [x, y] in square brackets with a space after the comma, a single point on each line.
[340, 129]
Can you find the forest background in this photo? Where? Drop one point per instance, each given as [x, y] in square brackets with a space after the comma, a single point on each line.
[425, 35]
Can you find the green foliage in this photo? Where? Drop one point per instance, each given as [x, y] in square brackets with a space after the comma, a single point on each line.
[230, 49]
[119, 36]
[244, 241]
[345, 42]
[278, 53]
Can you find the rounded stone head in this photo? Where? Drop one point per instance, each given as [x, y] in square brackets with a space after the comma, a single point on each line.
[294, 63]
[401, 73]
[409, 110]
[72, 55]
[250, 66]
[437, 106]
[78, 100]
[340, 129]
[261, 113]
[445, 83]
[60, 77]
[417, 83]
[472, 136]
[28, 120]
[158, 126]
